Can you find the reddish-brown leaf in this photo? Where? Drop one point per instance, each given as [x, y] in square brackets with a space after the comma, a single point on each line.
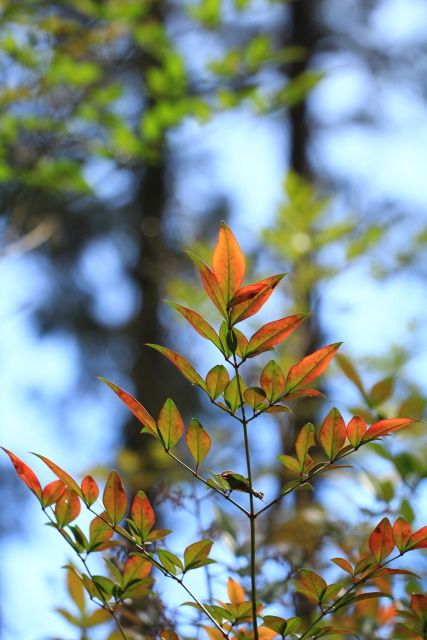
[168, 634]
[252, 305]
[62, 475]
[418, 540]
[343, 564]
[246, 293]
[311, 367]
[384, 427]
[186, 368]
[198, 323]
[272, 380]
[136, 408]
[197, 441]
[381, 541]
[170, 424]
[303, 392]
[67, 508]
[228, 263]
[26, 474]
[419, 607]
[142, 514]
[402, 533]
[52, 492]
[90, 490]
[114, 498]
[356, 429]
[274, 332]
[236, 593]
[333, 433]
[210, 283]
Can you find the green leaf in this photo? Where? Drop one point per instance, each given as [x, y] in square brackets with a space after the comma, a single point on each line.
[170, 424]
[233, 392]
[311, 367]
[331, 591]
[381, 541]
[217, 380]
[26, 474]
[228, 263]
[186, 368]
[136, 408]
[366, 596]
[114, 498]
[333, 433]
[274, 332]
[196, 554]
[197, 441]
[312, 585]
[255, 397]
[272, 380]
[67, 508]
[349, 371]
[289, 462]
[142, 514]
[198, 323]
[170, 561]
[305, 440]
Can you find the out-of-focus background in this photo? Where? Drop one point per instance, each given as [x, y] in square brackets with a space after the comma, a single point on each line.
[128, 131]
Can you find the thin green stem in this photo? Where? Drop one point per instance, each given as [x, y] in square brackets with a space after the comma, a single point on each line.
[252, 515]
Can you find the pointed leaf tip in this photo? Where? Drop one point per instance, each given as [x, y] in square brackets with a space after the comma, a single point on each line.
[228, 263]
[26, 474]
[136, 408]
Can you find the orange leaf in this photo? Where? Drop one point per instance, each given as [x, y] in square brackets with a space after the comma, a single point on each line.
[186, 368]
[67, 508]
[114, 498]
[356, 429]
[384, 427]
[333, 433]
[311, 367]
[136, 408]
[272, 380]
[90, 490]
[236, 593]
[136, 568]
[381, 541]
[198, 323]
[252, 305]
[274, 332]
[62, 475]
[210, 283]
[142, 514]
[228, 263]
[52, 492]
[26, 474]
[402, 533]
[418, 540]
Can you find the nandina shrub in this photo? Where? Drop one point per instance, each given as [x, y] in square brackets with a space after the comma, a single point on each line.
[115, 523]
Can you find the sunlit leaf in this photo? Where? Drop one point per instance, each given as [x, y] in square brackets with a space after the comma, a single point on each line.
[381, 541]
[233, 394]
[272, 380]
[305, 440]
[289, 462]
[383, 427]
[252, 305]
[200, 325]
[196, 554]
[418, 540]
[333, 433]
[186, 368]
[62, 475]
[343, 564]
[26, 474]
[136, 568]
[278, 408]
[210, 283]
[274, 332]
[136, 408]
[311, 584]
[235, 591]
[402, 533]
[254, 397]
[311, 366]
[52, 492]
[381, 391]
[419, 607]
[142, 514]
[217, 380]
[76, 590]
[90, 490]
[67, 508]
[168, 634]
[356, 430]
[228, 263]
[348, 370]
[114, 498]
[311, 393]
[170, 424]
[197, 441]
[101, 534]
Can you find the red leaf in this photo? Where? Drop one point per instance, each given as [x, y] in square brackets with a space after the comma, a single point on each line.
[142, 514]
[252, 305]
[186, 368]
[246, 293]
[356, 429]
[274, 332]
[272, 380]
[52, 492]
[114, 498]
[197, 441]
[311, 367]
[90, 490]
[136, 408]
[402, 533]
[26, 474]
[228, 263]
[381, 541]
[62, 475]
[384, 427]
[170, 424]
[211, 284]
[200, 325]
[418, 540]
[67, 508]
[333, 433]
